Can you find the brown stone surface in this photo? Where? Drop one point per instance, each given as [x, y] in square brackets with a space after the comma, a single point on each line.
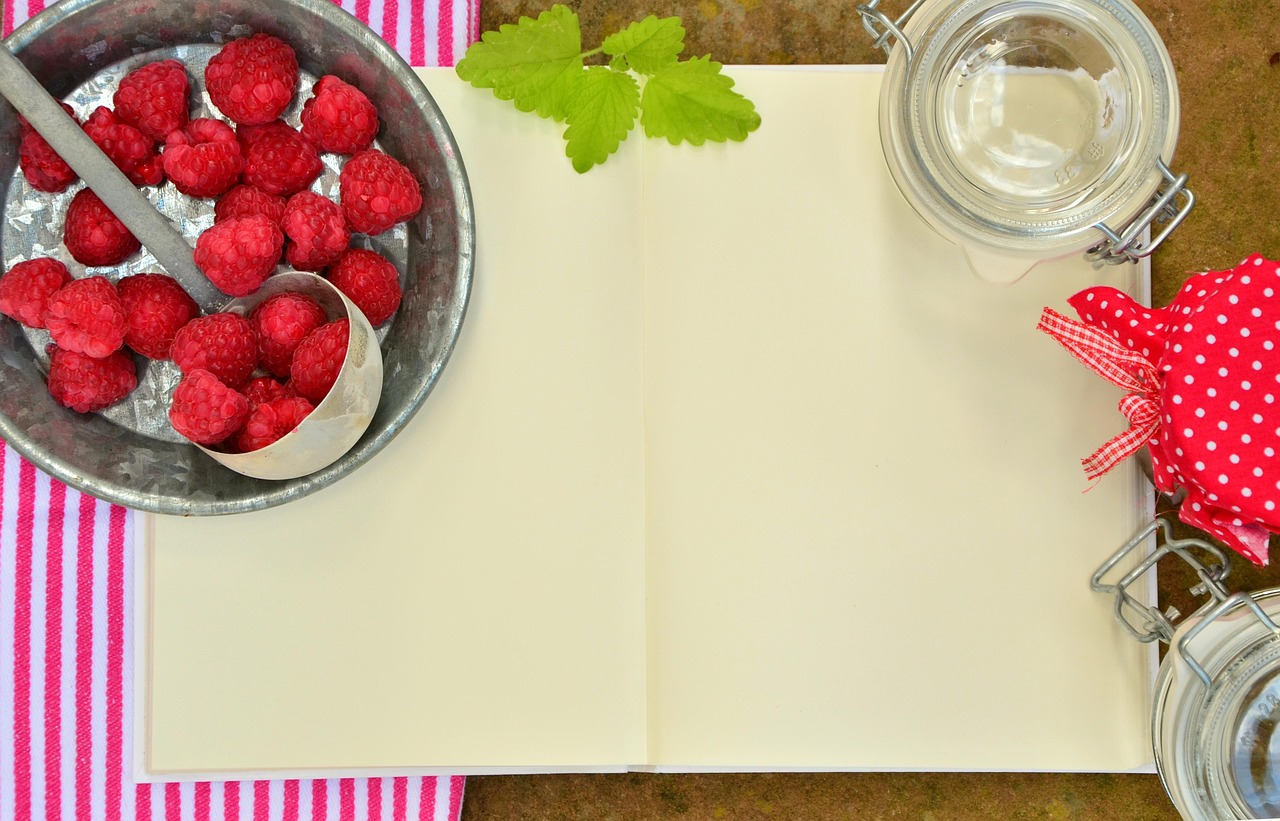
[1227, 55]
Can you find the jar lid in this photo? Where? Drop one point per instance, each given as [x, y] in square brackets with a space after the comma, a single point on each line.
[1216, 724]
[1020, 126]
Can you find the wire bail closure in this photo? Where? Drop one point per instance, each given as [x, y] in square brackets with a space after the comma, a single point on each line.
[1168, 207]
[1147, 623]
[882, 28]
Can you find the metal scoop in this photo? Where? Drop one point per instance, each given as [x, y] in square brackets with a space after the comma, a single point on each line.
[67, 138]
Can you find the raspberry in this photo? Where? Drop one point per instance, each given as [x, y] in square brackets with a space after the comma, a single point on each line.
[282, 322]
[155, 308]
[43, 168]
[338, 117]
[252, 80]
[270, 421]
[93, 234]
[26, 287]
[86, 316]
[203, 159]
[281, 162]
[262, 389]
[316, 229]
[368, 280]
[318, 359]
[206, 411]
[377, 192]
[153, 98]
[223, 344]
[86, 384]
[244, 200]
[250, 134]
[238, 254]
[132, 151]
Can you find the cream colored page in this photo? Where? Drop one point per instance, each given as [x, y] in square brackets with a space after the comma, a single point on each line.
[474, 595]
[868, 541]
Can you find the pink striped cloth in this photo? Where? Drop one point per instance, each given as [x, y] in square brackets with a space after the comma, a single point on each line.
[66, 640]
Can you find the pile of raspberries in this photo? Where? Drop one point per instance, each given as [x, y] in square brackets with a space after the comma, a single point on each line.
[246, 381]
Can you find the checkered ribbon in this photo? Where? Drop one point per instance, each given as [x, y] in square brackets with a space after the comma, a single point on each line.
[1121, 367]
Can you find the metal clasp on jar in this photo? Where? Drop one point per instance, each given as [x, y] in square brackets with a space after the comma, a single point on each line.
[1168, 207]
[882, 27]
[1145, 622]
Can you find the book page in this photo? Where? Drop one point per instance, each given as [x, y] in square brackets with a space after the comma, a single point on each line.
[869, 541]
[474, 596]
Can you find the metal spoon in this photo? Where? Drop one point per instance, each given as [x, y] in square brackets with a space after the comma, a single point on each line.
[67, 138]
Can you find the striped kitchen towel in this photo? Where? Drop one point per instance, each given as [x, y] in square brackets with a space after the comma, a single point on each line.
[66, 638]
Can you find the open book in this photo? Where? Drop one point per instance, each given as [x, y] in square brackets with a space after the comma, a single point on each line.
[736, 466]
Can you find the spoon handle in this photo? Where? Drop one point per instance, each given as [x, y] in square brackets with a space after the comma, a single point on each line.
[107, 181]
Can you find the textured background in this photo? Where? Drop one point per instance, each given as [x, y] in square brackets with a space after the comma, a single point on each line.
[1227, 55]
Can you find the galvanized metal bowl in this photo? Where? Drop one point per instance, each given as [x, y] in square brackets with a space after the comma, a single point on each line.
[126, 456]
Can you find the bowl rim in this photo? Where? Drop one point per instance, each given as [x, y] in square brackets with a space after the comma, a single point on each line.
[281, 492]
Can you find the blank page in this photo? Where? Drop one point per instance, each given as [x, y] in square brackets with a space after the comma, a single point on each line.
[869, 545]
[474, 596]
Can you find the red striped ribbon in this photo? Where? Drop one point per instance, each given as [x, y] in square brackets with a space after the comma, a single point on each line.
[1121, 367]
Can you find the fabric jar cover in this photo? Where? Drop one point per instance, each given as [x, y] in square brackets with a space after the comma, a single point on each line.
[1207, 407]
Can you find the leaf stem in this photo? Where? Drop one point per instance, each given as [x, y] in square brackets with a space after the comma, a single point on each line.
[592, 53]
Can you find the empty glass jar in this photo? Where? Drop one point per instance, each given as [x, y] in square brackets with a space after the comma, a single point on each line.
[1025, 130]
[1215, 725]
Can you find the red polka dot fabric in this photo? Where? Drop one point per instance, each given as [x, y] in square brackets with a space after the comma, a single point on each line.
[1215, 348]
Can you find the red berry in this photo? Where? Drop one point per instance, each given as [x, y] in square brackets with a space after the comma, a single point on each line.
[133, 152]
[281, 162]
[203, 159]
[252, 80]
[238, 254]
[244, 200]
[282, 322]
[87, 384]
[93, 234]
[250, 134]
[270, 421]
[339, 117]
[377, 192]
[43, 168]
[319, 358]
[368, 280]
[223, 344]
[86, 316]
[262, 389]
[153, 98]
[206, 411]
[26, 287]
[316, 230]
[155, 308]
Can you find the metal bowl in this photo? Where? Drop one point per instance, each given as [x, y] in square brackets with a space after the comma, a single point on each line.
[126, 456]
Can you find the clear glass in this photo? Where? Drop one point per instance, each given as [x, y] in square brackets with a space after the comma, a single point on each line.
[1018, 126]
[1218, 748]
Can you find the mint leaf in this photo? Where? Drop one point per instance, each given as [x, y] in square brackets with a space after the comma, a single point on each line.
[532, 63]
[647, 46]
[693, 102]
[602, 110]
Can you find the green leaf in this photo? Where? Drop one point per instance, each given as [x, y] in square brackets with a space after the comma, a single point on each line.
[602, 110]
[647, 46]
[693, 102]
[532, 63]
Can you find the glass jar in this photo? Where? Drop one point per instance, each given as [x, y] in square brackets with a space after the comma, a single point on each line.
[1215, 725]
[1026, 130]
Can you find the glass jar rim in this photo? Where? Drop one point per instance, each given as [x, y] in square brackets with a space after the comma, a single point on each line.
[964, 211]
[1193, 725]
